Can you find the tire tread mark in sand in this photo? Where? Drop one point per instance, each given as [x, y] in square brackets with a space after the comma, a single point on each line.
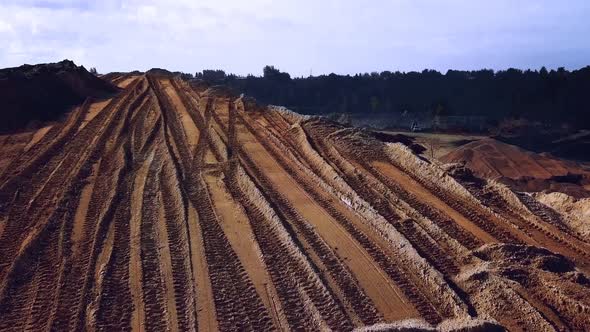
[287, 275]
[24, 166]
[340, 272]
[166, 260]
[189, 105]
[54, 260]
[25, 179]
[412, 292]
[27, 214]
[442, 220]
[141, 141]
[50, 267]
[425, 247]
[32, 284]
[202, 121]
[178, 242]
[384, 262]
[185, 296]
[115, 305]
[292, 215]
[474, 214]
[238, 306]
[18, 163]
[172, 125]
[70, 307]
[538, 232]
[236, 302]
[546, 214]
[227, 278]
[156, 316]
[204, 140]
[269, 246]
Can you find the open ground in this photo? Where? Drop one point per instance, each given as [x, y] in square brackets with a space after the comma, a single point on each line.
[173, 207]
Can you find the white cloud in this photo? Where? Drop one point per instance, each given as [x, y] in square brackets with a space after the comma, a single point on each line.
[296, 35]
[5, 27]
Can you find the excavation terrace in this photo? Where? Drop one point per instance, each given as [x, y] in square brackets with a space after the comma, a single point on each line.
[173, 206]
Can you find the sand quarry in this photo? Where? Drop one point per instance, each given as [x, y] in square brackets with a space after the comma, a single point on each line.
[179, 208]
[520, 169]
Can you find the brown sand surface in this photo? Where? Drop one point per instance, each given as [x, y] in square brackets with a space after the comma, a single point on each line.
[178, 207]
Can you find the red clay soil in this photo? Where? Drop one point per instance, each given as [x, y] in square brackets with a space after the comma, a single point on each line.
[172, 207]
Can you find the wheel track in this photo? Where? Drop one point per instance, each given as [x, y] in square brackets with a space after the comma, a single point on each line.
[115, 306]
[339, 271]
[545, 213]
[69, 311]
[425, 246]
[26, 215]
[156, 316]
[115, 298]
[238, 306]
[175, 208]
[236, 302]
[22, 168]
[282, 129]
[288, 274]
[485, 220]
[37, 294]
[537, 232]
[443, 221]
[426, 309]
[348, 286]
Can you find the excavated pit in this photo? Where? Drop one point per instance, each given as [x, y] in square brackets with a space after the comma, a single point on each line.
[173, 206]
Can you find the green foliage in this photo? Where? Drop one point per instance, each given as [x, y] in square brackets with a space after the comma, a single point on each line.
[214, 76]
[374, 103]
[272, 73]
[556, 95]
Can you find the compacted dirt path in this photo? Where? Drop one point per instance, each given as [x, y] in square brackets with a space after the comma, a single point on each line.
[174, 206]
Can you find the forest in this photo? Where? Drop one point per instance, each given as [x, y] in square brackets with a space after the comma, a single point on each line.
[547, 96]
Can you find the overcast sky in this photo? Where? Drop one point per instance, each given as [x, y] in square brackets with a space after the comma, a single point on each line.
[341, 36]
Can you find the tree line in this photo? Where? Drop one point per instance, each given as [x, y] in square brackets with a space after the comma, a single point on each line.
[555, 96]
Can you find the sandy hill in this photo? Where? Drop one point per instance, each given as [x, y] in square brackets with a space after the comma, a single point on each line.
[521, 169]
[32, 94]
[179, 207]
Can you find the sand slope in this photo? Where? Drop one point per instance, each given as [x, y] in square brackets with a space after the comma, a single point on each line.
[179, 207]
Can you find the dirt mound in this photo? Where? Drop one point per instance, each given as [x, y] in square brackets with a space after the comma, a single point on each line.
[160, 72]
[564, 144]
[548, 282]
[399, 138]
[37, 93]
[452, 325]
[179, 207]
[512, 255]
[110, 77]
[521, 169]
[576, 211]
